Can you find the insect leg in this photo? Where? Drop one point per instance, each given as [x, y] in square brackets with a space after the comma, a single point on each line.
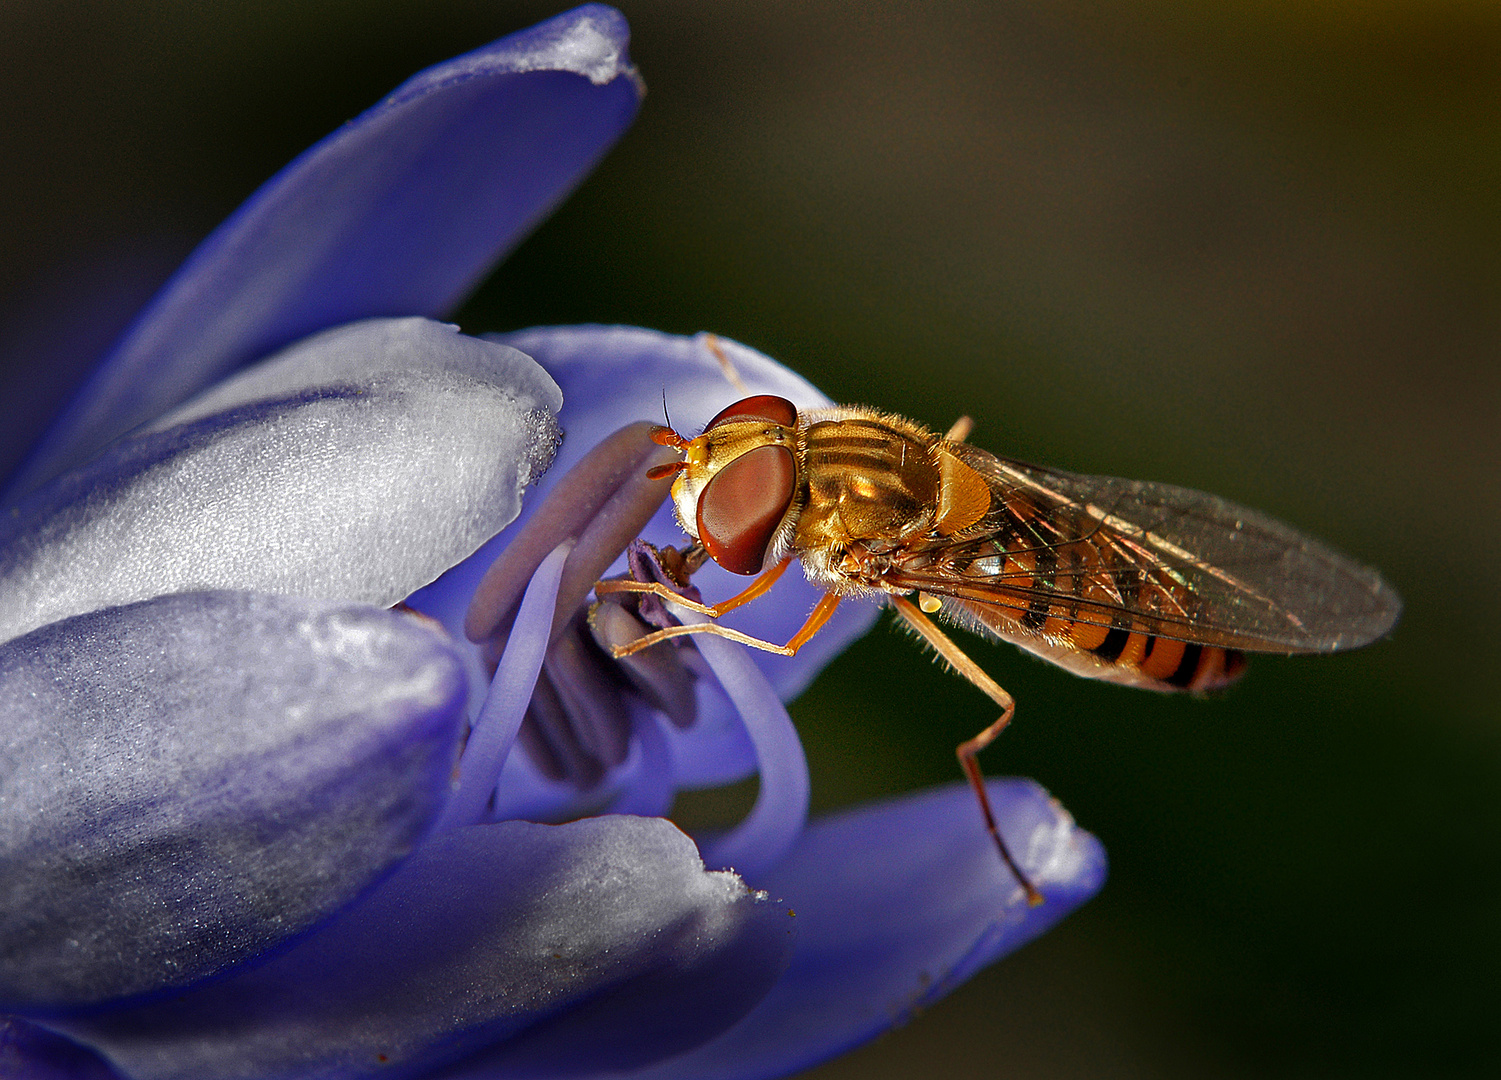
[755, 589]
[820, 615]
[961, 429]
[955, 657]
[655, 588]
[625, 585]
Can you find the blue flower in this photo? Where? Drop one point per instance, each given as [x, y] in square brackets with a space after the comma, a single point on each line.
[256, 823]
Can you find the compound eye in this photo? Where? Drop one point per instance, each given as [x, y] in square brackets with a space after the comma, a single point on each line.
[741, 507]
[769, 407]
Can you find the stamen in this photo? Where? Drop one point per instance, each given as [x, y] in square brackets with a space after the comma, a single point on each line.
[776, 821]
[711, 342]
[581, 708]
[579, 723]
[506, 703]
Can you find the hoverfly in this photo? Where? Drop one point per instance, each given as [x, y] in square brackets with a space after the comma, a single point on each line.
[1138, 583]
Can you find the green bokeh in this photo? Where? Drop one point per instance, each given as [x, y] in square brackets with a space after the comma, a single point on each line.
[1250, 248]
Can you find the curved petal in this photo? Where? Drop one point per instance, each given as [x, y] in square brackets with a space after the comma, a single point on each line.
[611, 375]
[399, 212]
[358, 491]
[597, 945]
[880, 938]
[189, 781]
[357, 352]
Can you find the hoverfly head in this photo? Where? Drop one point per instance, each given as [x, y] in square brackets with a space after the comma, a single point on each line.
[737, 480]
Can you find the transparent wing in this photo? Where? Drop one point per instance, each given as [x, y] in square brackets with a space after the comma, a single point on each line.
[1059, 548]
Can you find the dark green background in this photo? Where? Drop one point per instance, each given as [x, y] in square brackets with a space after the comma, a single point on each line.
[1248, 247]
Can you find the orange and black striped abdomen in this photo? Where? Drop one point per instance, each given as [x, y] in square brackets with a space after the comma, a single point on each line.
[1130, 654]
[1099, 575]
[1103, 574]
[1167, 663]
[1086, 598]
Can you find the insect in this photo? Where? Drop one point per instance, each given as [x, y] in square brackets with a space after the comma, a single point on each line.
[1138, 583]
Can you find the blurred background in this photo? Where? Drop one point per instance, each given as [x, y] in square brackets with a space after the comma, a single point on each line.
[1249, 247]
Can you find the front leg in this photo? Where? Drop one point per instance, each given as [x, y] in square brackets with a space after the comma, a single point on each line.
[821, 613]
[656, 588]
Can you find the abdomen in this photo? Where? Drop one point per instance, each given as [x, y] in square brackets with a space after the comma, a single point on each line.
[1132, 657]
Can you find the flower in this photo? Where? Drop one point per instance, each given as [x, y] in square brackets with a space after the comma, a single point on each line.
[231, 840]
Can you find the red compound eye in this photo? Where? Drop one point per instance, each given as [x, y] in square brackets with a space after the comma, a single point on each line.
[739, 510]
[769, 407]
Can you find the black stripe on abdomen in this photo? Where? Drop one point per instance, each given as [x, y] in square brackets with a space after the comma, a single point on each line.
[1188, 667]
[1114, 644]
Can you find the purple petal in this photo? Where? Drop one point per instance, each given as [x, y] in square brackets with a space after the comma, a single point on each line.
[896, 905]
[363, 490]
[547, 950]
[399, 212]
[357, 352]
[189, 781]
